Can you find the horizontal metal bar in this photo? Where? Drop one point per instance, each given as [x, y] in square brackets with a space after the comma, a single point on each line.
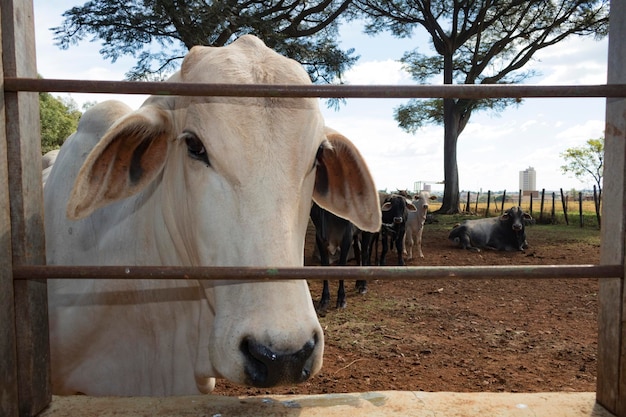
[318, 273]
[327, 91]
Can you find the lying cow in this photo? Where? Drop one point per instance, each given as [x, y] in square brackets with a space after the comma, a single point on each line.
[46, 164]
[506, 232]
[195, 181]
[415, 224]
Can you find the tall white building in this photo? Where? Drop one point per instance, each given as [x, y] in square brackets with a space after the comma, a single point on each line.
[528, 180]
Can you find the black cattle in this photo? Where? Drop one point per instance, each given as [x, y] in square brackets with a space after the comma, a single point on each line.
[506, 232]
[332, 233]
[395, 211]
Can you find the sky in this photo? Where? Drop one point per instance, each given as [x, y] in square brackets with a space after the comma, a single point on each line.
[492, 150]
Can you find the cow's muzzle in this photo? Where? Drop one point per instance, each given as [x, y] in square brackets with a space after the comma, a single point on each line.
[266, 368]
[398, 220]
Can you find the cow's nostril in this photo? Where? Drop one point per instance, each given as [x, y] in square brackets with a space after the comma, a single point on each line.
[266, 368]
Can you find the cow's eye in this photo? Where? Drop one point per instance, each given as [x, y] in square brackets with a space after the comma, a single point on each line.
[195, 148]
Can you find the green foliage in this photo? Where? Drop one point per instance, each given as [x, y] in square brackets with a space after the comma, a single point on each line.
[159, 33]
[483, 42]
[585, 161]
[59, 118]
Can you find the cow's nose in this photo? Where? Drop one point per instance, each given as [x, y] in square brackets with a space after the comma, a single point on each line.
[517, 227]
[266, 368]
[397, 220]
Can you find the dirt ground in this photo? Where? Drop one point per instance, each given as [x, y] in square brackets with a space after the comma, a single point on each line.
[463, 335]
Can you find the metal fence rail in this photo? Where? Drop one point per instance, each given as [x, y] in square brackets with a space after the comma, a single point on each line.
[318, 273]
[325, 91]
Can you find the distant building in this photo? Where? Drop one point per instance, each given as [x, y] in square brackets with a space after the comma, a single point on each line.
[528, 181]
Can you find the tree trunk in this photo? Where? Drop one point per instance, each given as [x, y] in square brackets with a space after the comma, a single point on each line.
[451, 119]
[451, 199]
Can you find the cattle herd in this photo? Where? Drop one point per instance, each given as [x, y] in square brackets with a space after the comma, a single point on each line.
[402, 226]
[209, 181]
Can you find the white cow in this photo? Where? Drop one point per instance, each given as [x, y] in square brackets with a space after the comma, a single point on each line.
[195, 181]
[415, 224]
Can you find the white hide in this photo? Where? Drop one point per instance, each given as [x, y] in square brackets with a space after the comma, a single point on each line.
[132, 188]
[415, 224]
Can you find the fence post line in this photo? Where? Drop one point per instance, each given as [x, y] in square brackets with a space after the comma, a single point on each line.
[488, 203]
[26, 207]
[519, 198]
[503, 200]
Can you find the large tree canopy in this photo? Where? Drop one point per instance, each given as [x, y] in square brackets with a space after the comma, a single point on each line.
[59, 118]
[585, 161]
[476, 42]
[158, 33]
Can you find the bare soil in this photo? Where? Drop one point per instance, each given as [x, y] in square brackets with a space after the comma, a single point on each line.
[475, 335]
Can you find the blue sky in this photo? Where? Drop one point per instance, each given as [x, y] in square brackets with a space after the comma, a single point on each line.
[491, 151]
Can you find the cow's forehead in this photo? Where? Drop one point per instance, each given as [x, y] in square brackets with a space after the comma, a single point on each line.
[245, 61]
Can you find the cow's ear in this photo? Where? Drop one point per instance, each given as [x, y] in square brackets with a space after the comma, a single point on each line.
[344, 185]
[127, 158]
[411, 207]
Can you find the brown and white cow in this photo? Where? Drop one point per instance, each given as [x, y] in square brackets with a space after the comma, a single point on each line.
[195, 181]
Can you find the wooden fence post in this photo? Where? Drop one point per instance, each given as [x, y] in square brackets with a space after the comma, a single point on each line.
[23, 146]
[488, 202]
[581, 219]
[503, 200]
[611, 377]
[564, 204]
[476, 206]
[543, 196]
[596, 203]
[8, 339]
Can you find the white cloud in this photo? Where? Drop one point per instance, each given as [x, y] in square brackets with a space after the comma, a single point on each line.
[388, 72]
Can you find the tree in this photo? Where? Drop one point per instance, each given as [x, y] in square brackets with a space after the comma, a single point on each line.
[476, 42]
[59, 118]
[586, 161]
[158, 33]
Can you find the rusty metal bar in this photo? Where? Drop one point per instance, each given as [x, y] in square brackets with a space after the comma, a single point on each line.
[326, 91]
[23, 272]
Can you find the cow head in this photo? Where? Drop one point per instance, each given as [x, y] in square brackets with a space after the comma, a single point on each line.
[232, 180]
[421, 201]
[516, 218]
[395, 209]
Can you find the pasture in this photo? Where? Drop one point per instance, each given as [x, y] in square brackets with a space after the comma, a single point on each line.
[476, 335]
